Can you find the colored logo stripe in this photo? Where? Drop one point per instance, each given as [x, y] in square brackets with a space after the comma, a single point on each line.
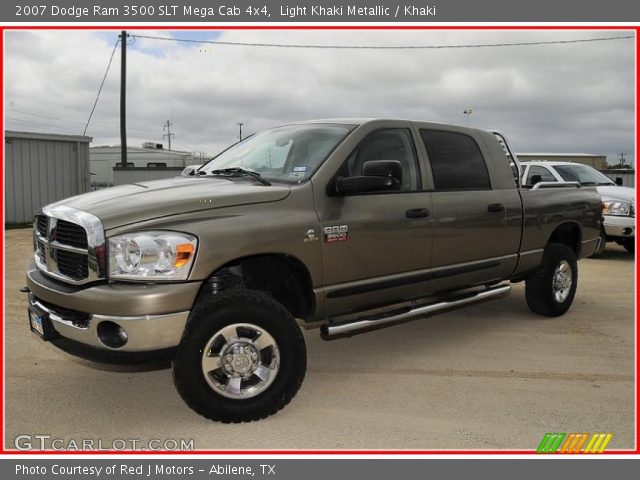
[550, 443]
[574, 443]
[598, 443]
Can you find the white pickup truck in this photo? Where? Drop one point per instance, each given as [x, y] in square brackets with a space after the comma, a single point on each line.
[619, 202]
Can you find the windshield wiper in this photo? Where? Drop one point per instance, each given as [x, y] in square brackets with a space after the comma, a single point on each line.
[240, 171]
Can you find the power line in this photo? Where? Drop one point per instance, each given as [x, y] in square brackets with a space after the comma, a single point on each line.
[68, 127]
[384, 47]
[101, 85]
[44, 116]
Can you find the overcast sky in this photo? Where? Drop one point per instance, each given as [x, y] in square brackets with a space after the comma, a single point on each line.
[551, 98]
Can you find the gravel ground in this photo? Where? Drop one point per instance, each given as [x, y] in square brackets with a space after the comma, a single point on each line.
[490, 376]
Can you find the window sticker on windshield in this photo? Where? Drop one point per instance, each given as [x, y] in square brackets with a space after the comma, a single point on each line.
[300, 169]
[295, 174]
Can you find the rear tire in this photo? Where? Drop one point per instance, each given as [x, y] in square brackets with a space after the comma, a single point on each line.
[551, 287]
[242, 357]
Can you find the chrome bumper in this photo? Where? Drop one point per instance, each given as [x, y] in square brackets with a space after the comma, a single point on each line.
[143, 333]
[153, 316]
[615, 226]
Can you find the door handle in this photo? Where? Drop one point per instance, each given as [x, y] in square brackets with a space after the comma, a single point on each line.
[417, 213]
[496, 207]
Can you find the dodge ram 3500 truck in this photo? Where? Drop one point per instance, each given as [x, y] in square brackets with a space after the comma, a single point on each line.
[347, 225]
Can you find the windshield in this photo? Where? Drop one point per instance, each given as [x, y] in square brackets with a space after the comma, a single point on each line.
[288, 154]
[584, 174]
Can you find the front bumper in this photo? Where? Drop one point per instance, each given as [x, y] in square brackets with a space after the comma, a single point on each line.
[153, 316]
[618, 226]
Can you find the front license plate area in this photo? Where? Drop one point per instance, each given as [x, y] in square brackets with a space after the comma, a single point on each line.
[40, 324]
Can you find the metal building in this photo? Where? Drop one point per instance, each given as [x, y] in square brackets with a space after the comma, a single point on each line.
[625, 177]
[126, 175]
[41, 168]
[105, 158]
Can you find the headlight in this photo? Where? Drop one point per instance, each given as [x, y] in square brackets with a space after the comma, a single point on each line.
[151, 256]
[616, 207]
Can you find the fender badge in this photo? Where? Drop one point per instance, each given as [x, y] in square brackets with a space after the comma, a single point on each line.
[336, 233]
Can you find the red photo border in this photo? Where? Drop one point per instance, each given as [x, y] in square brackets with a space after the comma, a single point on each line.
[400, 453]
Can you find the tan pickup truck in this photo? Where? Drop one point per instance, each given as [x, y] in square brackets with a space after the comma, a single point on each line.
[347, 225]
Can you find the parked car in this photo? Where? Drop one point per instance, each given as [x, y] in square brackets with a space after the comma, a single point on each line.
[346, 225]
[619, 202]
[190, 170]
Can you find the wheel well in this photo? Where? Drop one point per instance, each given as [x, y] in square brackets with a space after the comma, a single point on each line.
[282, 276]
[567, 234]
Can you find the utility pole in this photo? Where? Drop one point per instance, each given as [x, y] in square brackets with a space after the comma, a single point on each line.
[167, 127]
[123, 97]
[622, 160]
[240, 125]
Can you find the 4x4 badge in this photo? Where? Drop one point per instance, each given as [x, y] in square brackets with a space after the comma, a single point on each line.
[310, 236]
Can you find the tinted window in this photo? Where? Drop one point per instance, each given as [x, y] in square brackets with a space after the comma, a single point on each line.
[388, 144]
[584, 174]
[545, 174]
[456, 161]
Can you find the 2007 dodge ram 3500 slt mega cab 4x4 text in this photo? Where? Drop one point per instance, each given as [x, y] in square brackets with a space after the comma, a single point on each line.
[346, 224]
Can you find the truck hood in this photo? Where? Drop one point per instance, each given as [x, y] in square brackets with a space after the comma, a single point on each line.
[128, 204]
[616, 192]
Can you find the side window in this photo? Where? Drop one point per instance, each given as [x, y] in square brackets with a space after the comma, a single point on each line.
[388, 144]
[545, 174]
[456, 161]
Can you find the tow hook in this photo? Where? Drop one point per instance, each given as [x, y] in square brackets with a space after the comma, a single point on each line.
[25, 290]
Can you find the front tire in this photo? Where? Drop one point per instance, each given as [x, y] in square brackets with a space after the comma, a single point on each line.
[629, 244]
[551, 287]
[242, 357]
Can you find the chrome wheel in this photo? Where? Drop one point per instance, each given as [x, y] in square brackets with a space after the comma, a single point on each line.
[562, 281]
[240, 361]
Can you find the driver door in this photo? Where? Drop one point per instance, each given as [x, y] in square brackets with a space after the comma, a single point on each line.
[376, 245]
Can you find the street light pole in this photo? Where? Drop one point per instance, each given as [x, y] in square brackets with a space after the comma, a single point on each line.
[468, 112]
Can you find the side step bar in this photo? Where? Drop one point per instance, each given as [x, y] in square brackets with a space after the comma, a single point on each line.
[329, 330]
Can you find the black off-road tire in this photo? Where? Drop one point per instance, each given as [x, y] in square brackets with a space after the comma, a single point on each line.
[208, 317]
[629, 244]
[602, 246]
[539, 283]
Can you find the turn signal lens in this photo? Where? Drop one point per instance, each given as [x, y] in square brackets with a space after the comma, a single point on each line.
[183, 254]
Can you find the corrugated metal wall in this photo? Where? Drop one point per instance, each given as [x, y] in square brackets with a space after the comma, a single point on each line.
[42, 169]
[124, 176]
[625, 178]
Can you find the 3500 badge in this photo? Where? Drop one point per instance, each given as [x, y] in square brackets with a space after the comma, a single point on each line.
[337, 233]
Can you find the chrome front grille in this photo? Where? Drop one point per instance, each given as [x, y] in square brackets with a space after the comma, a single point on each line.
[68, 233]
[69, 245]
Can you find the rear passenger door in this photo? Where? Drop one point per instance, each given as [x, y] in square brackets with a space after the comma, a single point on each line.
[473, 240]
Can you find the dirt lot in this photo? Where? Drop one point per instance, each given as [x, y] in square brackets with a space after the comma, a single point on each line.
[491, 376]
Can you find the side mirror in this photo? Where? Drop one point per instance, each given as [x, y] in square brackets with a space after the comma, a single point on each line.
[376, 175]
[533, 179]
[347, 185]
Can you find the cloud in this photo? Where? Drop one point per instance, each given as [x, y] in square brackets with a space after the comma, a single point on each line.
[564, 98]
